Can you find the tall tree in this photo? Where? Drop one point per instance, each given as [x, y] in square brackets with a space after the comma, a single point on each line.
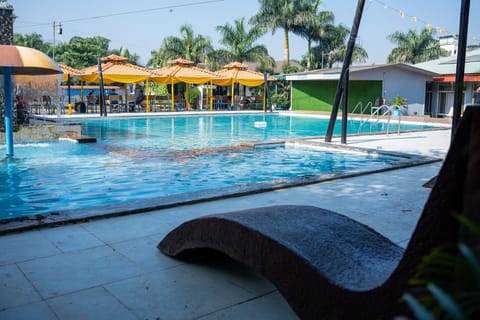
[283, 14]
[240, 44]
[331, 47]
[189, 46]
[314, 28]
[82, 52]
[359, 54]
[413, 47]
[32, 40]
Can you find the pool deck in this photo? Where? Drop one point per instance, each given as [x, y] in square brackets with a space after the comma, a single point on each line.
[111, 268]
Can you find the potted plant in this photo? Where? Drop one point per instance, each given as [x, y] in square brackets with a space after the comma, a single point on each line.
[193, 97]
[280, 101]
[400, 103]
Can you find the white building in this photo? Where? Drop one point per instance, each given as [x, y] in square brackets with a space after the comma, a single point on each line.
[449, 43]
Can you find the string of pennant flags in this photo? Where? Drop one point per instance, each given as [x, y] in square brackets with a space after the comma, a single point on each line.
[442, 31]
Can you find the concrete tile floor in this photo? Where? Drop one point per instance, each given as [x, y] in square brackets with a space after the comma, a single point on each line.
[111, 269]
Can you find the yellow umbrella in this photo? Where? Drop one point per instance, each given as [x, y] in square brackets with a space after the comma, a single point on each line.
[116, 69]
[238, 72]
[182, 70]
[17, 60]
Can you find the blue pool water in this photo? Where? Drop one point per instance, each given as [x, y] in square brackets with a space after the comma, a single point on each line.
[138, 159]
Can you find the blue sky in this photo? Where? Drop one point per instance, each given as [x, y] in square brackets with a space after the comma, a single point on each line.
[143, 31]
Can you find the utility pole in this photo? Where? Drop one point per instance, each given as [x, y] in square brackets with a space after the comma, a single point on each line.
[343, 81]
[57, 27]
[460, 68]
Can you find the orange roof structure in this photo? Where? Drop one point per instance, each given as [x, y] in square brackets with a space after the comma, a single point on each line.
[116, 69]
[238, 72]
[182, 70]
[69, 71]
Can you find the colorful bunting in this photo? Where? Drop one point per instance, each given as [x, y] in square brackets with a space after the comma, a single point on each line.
[429, 26]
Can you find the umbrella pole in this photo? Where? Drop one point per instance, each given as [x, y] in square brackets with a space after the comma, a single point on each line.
[210, 98]
[103, 107]
[187, 101]
[125, 95]
[233, 95]
[69, 83]
[147, 107]
[173, 96]
[7, 76]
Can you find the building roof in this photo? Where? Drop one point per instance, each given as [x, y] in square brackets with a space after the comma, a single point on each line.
[278, 66]
[448, 65]
[334, 73]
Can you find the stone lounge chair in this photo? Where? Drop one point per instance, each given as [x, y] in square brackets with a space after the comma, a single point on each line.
[328, 266]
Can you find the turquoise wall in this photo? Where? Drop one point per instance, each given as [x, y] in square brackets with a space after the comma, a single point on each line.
[319, 95]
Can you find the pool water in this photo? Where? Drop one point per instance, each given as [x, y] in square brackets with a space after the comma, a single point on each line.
[197, 132]
[138, 159]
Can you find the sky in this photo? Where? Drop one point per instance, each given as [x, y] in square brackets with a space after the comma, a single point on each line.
[141, 25]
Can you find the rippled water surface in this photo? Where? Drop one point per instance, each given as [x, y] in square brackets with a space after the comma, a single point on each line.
[137, 159]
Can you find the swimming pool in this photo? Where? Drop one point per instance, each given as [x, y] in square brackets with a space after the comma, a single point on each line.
[210, 131]
[149, 160]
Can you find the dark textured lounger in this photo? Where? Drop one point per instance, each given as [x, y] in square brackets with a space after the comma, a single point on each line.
[328, 266]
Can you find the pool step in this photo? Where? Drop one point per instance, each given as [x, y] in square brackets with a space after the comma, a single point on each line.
[78, 138]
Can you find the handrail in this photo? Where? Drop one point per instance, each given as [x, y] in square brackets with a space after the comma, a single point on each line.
[359, 104]
[388, 112]
[362, 109]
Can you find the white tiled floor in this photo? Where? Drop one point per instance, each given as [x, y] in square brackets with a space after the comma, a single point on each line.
[111, 269]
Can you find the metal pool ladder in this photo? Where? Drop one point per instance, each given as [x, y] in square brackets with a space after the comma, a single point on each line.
[388, 112]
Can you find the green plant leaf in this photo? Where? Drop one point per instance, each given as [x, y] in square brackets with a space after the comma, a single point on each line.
[420, 312]
[448, 304]
[472, 261]
[472, 227]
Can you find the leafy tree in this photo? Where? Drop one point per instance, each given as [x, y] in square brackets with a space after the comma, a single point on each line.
[240, 44]
[189, 46]
[414, 48]
[32, 40]
[283, 14]
[5, 4]
[82, 52]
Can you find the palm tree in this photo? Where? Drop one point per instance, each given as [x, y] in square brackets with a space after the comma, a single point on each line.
[359, 54]
[314, 30]
[414, 48]
[283, 14]
[332, 38]
[189, 46]
[240, 44]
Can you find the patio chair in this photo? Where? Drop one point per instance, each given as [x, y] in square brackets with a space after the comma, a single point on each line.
[115, 102]
[131, 102]
[328, 266]
[163, 103]
[47, 104]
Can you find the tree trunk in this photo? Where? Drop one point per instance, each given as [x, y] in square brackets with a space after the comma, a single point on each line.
[286, 49]
[309, 55]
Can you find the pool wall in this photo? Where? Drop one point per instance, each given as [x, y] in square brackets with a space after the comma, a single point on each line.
[42, 132]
